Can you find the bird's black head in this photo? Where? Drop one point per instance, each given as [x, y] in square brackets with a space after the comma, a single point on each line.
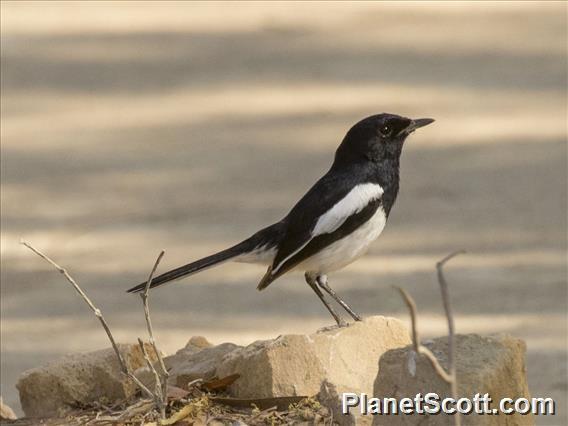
[378, 137]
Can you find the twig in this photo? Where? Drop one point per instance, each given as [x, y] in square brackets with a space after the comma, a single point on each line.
[413, 314]
[159, 399]
[98, 314]
[451, 376]
[417, 346]
[162, 377]
[451, 333]
[447, 305]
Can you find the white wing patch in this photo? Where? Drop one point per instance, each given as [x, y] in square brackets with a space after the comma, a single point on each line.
[277, 267]
[355, 201]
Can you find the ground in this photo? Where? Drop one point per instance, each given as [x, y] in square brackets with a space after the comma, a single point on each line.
[128, 128]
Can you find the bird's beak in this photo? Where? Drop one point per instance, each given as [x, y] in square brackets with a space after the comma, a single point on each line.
[415, 124]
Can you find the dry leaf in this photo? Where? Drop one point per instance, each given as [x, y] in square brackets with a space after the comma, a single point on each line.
[194, 408]
[176, 393]
[180, 415]
[200, 421]
[220, 384]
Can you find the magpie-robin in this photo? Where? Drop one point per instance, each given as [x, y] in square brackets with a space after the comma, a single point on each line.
[337, 219]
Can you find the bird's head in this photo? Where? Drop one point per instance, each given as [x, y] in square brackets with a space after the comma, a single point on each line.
[378, 137]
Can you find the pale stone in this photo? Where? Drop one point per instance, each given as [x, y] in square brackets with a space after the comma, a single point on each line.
[175, 363]
[186, 366]
[79, 379]
[330, 398]
[493, 365]
[6, 413]
[194, 345]
[197, 360]
[292, 365]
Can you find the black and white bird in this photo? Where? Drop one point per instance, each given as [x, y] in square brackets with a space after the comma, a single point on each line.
[335, 222]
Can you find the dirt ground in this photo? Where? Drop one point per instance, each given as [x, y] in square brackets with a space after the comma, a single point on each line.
[128, 128]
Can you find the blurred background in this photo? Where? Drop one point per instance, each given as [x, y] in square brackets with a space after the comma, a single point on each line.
[132, 127]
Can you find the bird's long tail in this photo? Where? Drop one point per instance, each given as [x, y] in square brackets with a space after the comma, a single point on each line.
[190, 268]
[261, 240]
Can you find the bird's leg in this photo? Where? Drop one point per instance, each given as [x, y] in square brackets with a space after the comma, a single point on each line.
[311, 280]
[322, 282]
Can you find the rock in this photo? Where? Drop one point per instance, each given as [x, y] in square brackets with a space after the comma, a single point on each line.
[330, 398]
[184, 368]
[78, 379]
[493, 365]
[146, 376]
[174, 362]
[6, 413]
[293, 365]
[198, 343]
[194, 345]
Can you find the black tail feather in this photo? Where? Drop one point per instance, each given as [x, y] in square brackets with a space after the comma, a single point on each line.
[267, 236]
[190, 268]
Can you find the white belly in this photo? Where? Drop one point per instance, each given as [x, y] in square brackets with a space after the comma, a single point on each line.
[342, 252]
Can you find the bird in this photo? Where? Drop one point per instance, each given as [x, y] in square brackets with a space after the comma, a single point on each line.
[335, 222]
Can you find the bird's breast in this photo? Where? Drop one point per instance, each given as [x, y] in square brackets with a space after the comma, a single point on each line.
[344, 251]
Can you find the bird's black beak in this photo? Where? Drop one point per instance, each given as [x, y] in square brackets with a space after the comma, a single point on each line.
[415, 124]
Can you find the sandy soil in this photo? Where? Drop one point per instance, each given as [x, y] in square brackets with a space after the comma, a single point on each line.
[129, 128]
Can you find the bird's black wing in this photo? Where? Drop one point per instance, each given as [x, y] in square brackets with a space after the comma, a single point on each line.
[306, 234]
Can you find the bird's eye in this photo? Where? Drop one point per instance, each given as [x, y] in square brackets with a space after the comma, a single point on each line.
[385, 130]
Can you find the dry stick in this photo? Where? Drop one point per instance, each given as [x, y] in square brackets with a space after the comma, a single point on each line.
[418, 347]
[447, 306]
[451, 377]
[98, 314]
[159, 399]
[163, 376]
[451, 333]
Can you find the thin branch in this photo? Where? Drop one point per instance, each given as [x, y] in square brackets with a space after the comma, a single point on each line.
[451, 376]
[98, 314]
[413, 314]
[447, 306]
[150, 365]
[163, 376]
[451, 328]
[64, 272]
[159, 399]
[436, 365]
[418, 347]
